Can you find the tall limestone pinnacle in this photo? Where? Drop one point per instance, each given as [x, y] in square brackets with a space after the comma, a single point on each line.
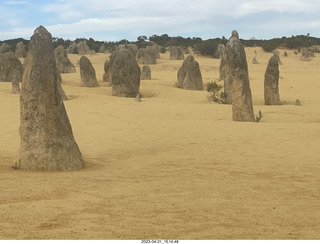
[46, 138]
[238, 80]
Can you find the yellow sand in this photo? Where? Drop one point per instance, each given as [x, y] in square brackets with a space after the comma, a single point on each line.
[174, 166]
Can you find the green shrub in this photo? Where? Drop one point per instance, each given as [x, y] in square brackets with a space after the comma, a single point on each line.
[217, 95]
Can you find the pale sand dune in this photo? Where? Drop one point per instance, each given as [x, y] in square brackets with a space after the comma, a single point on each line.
[174, 166]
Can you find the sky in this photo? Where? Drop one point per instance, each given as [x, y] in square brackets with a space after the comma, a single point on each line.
[114, 20]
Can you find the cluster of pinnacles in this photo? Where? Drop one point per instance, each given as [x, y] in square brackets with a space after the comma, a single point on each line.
[47, 141]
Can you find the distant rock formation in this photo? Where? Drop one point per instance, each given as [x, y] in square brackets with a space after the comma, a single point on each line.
[125, 74]
[222, 69]
[107, 76]
[21, 50]
[11, 70]
[83, 48]
[5, 48]
[87, 73]
[154, 51]
[189, 75]
[176, 53]
[255, 61]
[306, 55]
[277, 54]
[146, 56]
[47, 141]
[133, 48]
[64, 64]
[73, 48]
[271, 82]
[102, 49]
[237, 74]
[146, 73]
[220, 51]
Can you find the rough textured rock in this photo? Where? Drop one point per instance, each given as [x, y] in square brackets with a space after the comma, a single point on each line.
[47, 141]
[20, 50]
[306, 55]
[220, 51]
[271, 82]
[73, 48]
[277, 54]
[176, 53]
[146, 56]
[138, 98]
[83, 48]
[255, 61]
[63, 63]
[146, 73]
[102, 49]
[297, 102]
[237, 74]
[87, 73]
[154, 51]
[107, 76]
[125, 74]
[11, 70]
[189, 75]
[222, 68]
[60, 89]
[133, 48]
[5, 48]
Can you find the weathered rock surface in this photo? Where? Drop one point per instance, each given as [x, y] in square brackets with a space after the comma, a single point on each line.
[237, 74]
[220, 51]
[47, 141]
[63, 63]
[73, 48]
[255, 61]
[102, 49]
[125, 74]
[306, 55]
[146, 73]
[222, 68]
[87, 73]
[176, 53]
[20, 50]
[189, 75]
[146, 56]
[11, 70]
[271, 82]
[83, 48]
[5, 48]
[107, 76]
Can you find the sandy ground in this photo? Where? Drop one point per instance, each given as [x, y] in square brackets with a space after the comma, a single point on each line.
[174, 166]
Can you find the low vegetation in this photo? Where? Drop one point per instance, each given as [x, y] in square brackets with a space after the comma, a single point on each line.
[203, 47]
[216, 95]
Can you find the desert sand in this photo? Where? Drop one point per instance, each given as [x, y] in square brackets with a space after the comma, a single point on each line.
[174, 166]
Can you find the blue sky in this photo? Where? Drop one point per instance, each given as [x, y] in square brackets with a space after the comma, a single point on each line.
[114, 20]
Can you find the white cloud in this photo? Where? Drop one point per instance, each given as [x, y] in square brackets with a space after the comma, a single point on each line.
[280, 6]
[80, 18]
